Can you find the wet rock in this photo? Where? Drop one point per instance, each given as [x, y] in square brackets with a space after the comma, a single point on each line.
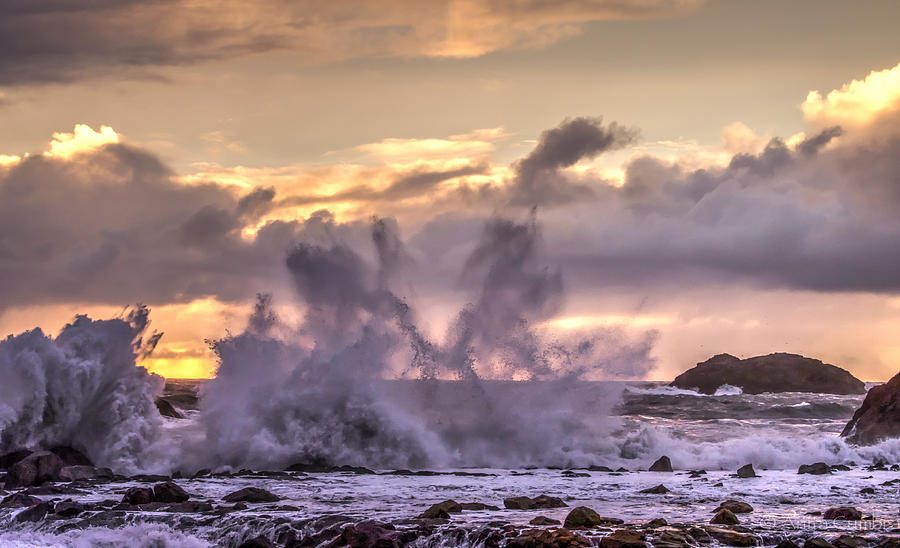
[736, 506]
[571, 474]
[251, 494]
[582, 517]
[878, 417]
[787, 543]
[817, 542]
[138, 495]
[657, 522]
[70, 456]
[166, 409]
[845, 468]
[258, 542]
[867, 491]
[150, 478]
[663, 464]
[850, 541]
[818, 468]
[8, 459]
[595, 468]
[624, 538]
[544, 520]
[528, 503]
[34, 513]
[68, 508]
[699, 534]
[19, 500]
[478, 506]
[368, 535]
[323, 468]
[732, 538]
[746, 471]
[34, 469]
[83, 471]
[442, 510]
[657, 490]
[725, 517]
[672, 539]
[777, 372]
[845, 513]
[187, 507]
[888, 542]
[548, 538]
[169, 492]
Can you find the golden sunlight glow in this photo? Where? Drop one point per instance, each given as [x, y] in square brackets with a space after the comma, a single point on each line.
[857, 102]
[397, 150]
[181, 368]
[9, 159]
[581, 322]
[83, 138]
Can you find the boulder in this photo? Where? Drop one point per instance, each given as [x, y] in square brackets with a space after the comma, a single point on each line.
[7, 460]
[746, 471]
[658, 490]
[817, 468]
[83, 472]
[777, 372]
[624, 538]
[477, 506]
[787, 543]
[582, 517]
[845, 513]
[732, 538]
[528, 503]
[34, 513]
[657, 522]
[138, 495]
[257, 542]
[251, 494]
[544, 520]
[442, 510]
[725, 517]
[673, 539]
[548, 538]
[166, 409]
[663, 464]
[19, 500]
[70, 456]
[34, 469]
[369, 534]
[817, 542]
[878, 417]
[169, 492]
[68, 508]
[850, 541]
[736, 507]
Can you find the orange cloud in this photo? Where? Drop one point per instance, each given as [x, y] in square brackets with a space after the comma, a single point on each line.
[82, 138]
[857, 102]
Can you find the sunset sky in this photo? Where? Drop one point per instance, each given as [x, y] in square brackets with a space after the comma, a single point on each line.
[708, 176]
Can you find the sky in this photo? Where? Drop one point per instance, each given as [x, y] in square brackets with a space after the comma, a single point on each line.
[705, 176]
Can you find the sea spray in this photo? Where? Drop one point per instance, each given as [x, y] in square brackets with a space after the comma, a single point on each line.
[83, 389]
[317, 393]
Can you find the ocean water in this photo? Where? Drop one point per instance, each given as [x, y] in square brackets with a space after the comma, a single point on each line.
[640, 422]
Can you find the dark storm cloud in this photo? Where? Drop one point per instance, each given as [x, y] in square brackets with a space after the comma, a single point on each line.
[68, 40]
[538, 181]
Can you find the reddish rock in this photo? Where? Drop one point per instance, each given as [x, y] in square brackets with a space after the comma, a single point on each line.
[878, 417]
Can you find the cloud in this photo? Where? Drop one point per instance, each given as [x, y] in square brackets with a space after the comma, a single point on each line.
[394, 150]
[66, 40]
[82, 138]
[856, 103]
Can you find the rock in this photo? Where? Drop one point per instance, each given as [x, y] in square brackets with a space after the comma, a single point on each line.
[251, 494]
[571, 474]
[596, 468]
[71, 457]
[34, 469]
[166, 409]
[323, 468]
[544, 520]
[19, 500]
[663, 464]
[657, 522]
[477, 506]
[83, 472]
[777, 372]
[736, 507]
[34, 513]
[673, 539]
[746, 471]
[188, 507]
[624, 538]
[582, 517]
[169, 492]
[548, 538]
[658, 490]
[368, 534]
[7, 460]
[867, 491]
[68, 508]
[845, 513]
[138, 495]
[818, 468]
[787, 543]
[732, 538]
[528, 503]
[442, 510]
[725, 517]
[817, 542]
[878, 417]
[850, 541]
[257, 542]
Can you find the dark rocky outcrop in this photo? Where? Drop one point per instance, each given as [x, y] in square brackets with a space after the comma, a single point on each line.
[528, 503]
[544, 520]
[83, 472]
[19, 500]
[8, 459]
[817, 468]
[34, 469]
[138, 495]
[663, 464]
[442, 510]
[169, 492]
[736, 507]
[35, 513]
[746, 471]
[624, 538]
[257, 542]
[657, 490]
[846, 513]
[878, 417]
[582, 517]
[251, 494]
[166, 409]
[70, 456]
[730, 537]
[777, 372]
[725, 517]
[68, 508]
[548, 538]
